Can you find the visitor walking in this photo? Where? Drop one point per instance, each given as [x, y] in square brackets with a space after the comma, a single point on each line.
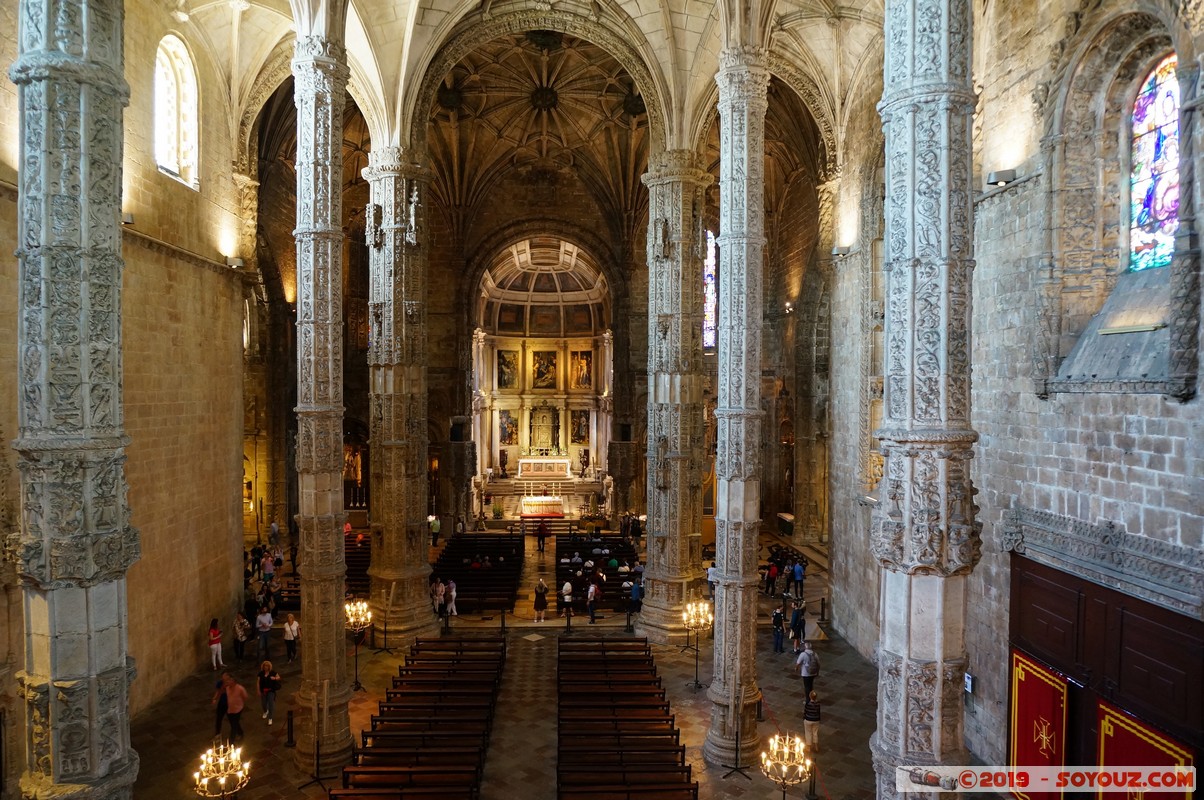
[220, 704]
[796, 626]
[808, 663]
[811, 722]
[450, 594]
[541, 534]
[269, 685]
[771, 577]
[263, 626]
[215, 644]
[236, 701]
[712, 578]
[435, 526]
[242, 634]
[778, 622]
[292, 634]
[541, 600]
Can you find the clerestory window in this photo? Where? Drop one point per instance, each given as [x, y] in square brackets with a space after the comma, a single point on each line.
[176, 111]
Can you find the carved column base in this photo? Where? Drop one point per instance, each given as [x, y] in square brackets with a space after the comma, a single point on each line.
[664, 600]
[334, 724]
[719, 749]
[409, 615]
[886, 762]
[117, 785]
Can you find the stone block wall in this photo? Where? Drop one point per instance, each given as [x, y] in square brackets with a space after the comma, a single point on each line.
[182, 329]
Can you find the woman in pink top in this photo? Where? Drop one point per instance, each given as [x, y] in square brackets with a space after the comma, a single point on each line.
[236, 701]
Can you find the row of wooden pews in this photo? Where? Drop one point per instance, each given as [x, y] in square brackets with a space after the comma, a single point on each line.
[614, 597]
[617, 738]
[429, 739]
[480, 590]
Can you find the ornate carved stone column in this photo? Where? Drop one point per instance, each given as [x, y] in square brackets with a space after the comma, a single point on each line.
[1185, 267]
[75, 544]
[397, 386]
[675, 425]
[320, 72]
[743, 82]
[923, 531]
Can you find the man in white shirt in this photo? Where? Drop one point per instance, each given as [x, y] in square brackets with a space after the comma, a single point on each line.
[713, 578]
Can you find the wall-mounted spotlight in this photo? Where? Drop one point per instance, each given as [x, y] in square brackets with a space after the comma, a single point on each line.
[1001, 177]
[789, 307]
[841, 250]
[235, 262]
[127, 218]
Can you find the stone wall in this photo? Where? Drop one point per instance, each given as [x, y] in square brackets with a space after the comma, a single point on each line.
[182, 327]
[854, 574]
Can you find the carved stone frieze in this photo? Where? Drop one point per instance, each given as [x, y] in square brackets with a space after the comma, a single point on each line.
[1159, 572]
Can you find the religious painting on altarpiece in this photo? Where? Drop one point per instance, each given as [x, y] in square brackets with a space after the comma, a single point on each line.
[543, 369]
[579, 427]
[507, 369]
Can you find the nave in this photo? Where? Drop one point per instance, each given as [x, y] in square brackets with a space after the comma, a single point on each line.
[521, 759]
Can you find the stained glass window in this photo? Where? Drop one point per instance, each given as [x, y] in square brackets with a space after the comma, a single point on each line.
[1154, 169]
[176, 112]
[710, 296]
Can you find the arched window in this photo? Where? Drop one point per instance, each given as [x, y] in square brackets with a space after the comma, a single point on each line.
[1154, 169]
[176, 111]
[710, 296]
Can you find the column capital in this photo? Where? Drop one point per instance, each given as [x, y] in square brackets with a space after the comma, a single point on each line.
[744, 57]
[676, 165]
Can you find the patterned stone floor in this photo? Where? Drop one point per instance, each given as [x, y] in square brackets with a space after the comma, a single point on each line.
[521, 763]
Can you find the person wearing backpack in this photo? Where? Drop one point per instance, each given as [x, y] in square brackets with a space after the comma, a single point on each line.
[808, 663]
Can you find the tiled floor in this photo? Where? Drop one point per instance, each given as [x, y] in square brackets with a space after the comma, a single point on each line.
[522, 755]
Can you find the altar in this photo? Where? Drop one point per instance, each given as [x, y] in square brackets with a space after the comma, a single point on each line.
[541, 506]
[545, 467]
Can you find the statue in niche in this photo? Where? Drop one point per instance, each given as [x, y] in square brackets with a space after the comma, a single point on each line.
[545, 431]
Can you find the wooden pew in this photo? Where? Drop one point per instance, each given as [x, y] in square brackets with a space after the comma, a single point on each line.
[603, 791]
[398, 776]
[418, 756]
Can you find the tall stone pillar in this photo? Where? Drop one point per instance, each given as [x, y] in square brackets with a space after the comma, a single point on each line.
[1185, 268]
[743, 83]
[923, 529]
[399, 573]
[675, 416]
[320, 73]
[76, 543]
